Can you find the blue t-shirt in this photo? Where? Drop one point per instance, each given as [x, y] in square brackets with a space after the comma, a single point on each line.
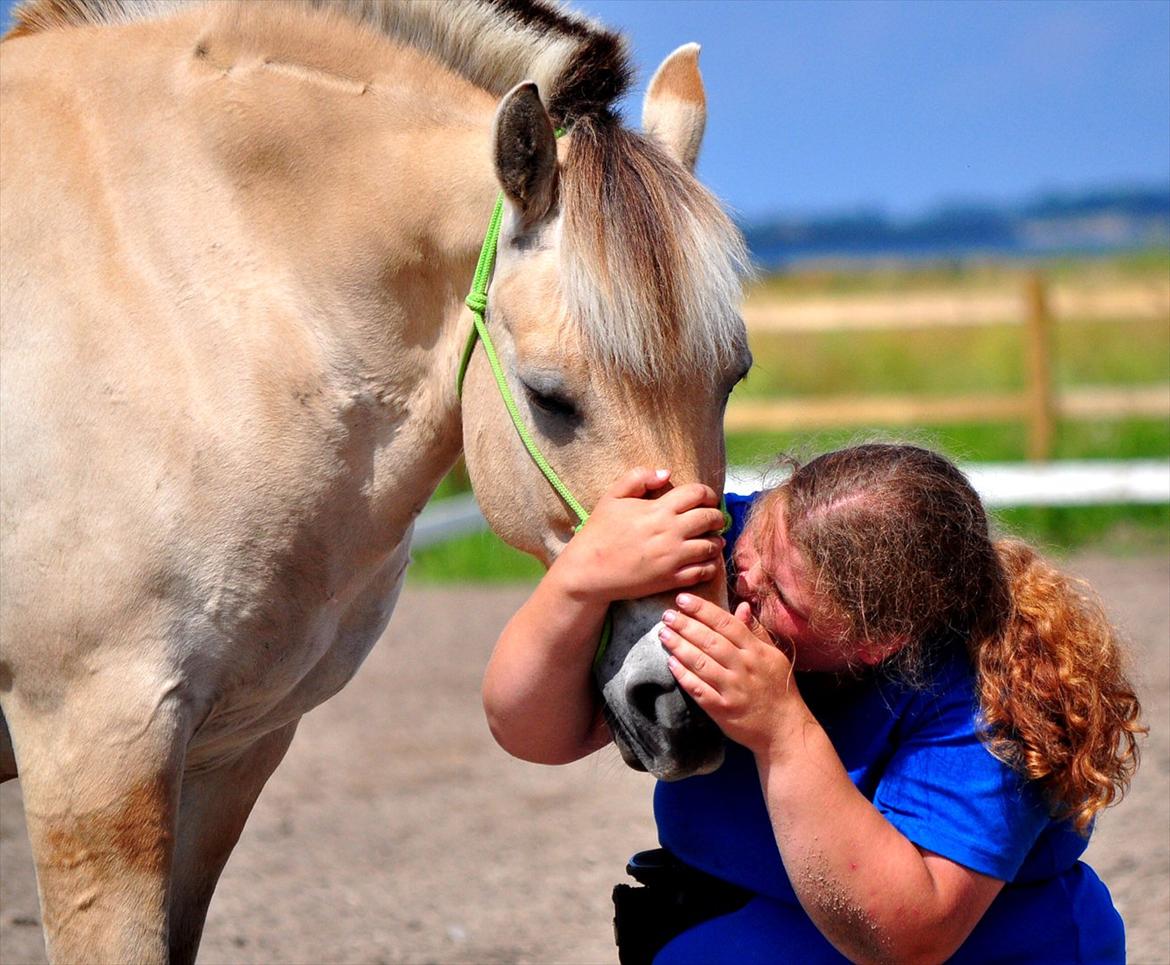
[917, 755]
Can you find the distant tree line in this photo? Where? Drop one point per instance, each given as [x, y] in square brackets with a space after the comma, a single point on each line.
[1084, 220]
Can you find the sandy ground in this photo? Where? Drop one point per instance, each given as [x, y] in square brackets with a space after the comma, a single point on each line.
[395, 830]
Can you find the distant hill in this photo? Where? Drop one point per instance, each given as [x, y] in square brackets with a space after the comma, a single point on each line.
[1052, 223]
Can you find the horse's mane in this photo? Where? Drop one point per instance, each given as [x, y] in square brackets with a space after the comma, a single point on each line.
[580, 67]
[652, 265]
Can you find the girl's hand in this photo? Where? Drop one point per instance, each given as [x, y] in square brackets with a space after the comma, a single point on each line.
[633, 546]
[732, 668]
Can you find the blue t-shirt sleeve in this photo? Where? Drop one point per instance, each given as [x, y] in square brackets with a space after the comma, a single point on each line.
[946, 792]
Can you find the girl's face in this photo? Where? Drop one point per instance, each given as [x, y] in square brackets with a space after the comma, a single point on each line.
[781, 595]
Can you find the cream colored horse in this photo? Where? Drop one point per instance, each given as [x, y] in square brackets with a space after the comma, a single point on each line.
[236, 239]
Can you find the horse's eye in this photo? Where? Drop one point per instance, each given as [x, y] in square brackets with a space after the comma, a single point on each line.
[743, 372]
[551, 403]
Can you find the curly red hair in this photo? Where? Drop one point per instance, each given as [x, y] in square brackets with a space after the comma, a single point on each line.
[1053, 689]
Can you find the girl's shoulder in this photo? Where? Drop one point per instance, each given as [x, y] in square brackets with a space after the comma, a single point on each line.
[738, 506]
[943, 692]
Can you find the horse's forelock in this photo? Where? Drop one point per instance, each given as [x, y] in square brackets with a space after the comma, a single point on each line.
[652, 265]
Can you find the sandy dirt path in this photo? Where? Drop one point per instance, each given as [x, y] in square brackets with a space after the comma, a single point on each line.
[395, 830]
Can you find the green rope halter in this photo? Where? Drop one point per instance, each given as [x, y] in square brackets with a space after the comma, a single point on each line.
[477, 302]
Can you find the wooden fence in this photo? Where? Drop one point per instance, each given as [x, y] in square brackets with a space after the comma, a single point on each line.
[1040, 404]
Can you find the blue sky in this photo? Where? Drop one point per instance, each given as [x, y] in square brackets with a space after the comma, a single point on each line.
[819, 106]
[901, 105]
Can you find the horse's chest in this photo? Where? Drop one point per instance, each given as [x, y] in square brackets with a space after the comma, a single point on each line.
[359, 625]
[286, 655]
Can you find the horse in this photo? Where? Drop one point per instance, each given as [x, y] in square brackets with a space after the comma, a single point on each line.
[236, 239]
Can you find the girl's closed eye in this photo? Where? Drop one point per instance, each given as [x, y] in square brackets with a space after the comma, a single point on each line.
[793, 611]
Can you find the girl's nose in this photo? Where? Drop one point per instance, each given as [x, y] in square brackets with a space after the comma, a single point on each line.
[749, 577]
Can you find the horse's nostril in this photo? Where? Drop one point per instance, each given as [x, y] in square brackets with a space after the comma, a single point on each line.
[643, 697]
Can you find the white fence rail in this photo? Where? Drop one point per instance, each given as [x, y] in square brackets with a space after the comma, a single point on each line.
[1079, 483]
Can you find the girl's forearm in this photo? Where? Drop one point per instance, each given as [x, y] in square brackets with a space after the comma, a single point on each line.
[537, 690]
[872, 893]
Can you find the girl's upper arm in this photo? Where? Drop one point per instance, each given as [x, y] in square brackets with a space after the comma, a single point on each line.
[964, 894]
[962, 897]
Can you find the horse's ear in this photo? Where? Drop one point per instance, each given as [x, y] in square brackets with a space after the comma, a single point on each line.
[526, 153]
[674, 112]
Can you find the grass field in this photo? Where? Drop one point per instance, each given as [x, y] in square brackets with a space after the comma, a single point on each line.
[879, 277]
[808, 364]
[953, 360]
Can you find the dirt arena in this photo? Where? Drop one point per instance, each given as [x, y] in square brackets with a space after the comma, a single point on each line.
[395, 830]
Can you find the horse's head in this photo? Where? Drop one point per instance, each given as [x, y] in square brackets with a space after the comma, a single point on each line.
[614, 312]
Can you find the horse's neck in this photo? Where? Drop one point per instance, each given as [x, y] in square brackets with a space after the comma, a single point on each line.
[366, 166]
[319, 201]
[363, 165]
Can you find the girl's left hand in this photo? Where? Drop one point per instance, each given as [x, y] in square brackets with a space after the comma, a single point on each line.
[732, 668]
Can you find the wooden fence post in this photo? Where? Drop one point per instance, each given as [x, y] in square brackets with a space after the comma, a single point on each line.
[1041, 394]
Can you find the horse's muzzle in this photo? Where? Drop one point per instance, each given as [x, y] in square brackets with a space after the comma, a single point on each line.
[656, 726]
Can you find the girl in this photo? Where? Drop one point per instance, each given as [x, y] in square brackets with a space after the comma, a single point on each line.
[925, 721]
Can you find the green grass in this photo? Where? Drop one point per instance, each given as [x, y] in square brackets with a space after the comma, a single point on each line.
[968, 442]
[476, 558]
[880, 277]
[945, 361]
[949, 361]
[1058, 530]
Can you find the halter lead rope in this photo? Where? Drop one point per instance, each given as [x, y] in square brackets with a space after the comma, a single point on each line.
[476, 301]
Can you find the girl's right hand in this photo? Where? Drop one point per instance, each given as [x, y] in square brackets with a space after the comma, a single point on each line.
[634, 546]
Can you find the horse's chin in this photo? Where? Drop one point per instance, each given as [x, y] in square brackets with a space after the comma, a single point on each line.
[670, 757]
[678, 770]
[633, 761]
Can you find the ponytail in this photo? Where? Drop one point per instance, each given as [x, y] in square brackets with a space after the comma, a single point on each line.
[1052, 690]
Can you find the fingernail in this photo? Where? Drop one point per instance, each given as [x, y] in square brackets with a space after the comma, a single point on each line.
[669, 617]
[661, 473]
[684, 600]
[666, 637]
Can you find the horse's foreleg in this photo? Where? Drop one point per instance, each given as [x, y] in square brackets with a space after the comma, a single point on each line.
[7, 752]
[101, 786]
[215, 804]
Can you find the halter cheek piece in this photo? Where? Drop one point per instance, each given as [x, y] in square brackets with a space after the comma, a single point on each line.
[477, 302]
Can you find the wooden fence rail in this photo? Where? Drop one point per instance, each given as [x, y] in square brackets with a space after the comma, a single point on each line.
[1040, 404]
